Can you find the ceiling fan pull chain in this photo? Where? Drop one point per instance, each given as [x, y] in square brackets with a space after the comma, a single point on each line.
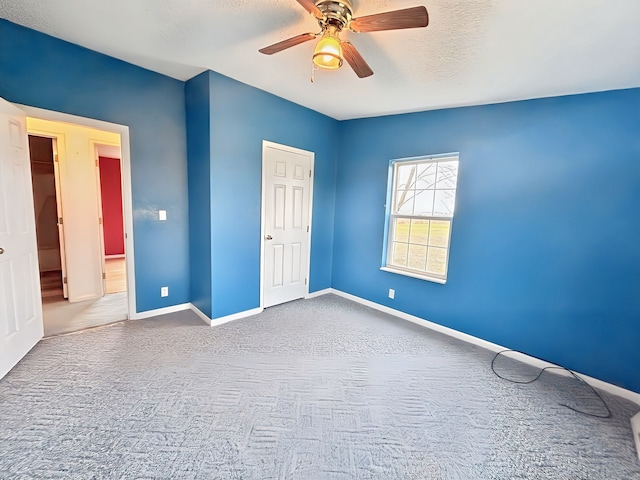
[313, 72]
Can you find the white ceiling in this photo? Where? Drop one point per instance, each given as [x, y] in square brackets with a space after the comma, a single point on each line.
[473, 51]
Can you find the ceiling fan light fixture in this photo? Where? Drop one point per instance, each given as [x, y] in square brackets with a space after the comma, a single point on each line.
[328, 51]
[335, 16]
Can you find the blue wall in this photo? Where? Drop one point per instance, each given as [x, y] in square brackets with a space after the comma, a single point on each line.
[241, 118]
[41, 71]
[545, 249]
[199, 181]
[545, 256]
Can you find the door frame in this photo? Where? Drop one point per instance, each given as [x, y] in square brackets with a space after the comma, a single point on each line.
[125, 166]
[307, 270]
[95, 148]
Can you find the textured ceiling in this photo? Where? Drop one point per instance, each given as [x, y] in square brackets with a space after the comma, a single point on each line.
[473, 51]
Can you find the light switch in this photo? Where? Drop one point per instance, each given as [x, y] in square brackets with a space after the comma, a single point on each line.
[162, 215]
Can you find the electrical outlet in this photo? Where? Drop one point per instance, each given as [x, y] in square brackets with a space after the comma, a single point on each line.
[164, 291]
[162, 215]
[392, 293]
[635, 427]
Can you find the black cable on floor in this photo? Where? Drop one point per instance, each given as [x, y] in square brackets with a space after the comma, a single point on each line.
[553, 367]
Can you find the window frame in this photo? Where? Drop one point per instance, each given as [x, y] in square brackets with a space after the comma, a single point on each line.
[390, 217]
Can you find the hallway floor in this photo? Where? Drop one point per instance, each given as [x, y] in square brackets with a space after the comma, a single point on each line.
[115, 270]
[60, 316]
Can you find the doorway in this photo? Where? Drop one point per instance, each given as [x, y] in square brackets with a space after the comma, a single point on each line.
[88, 172]
[287, 193]
[111, 208]
[45, 179]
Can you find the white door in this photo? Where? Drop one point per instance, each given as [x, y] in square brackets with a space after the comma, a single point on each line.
[63, 258]
[20, 305]
[286, 207]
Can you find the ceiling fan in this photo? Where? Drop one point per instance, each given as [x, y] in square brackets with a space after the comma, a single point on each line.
[336, 15]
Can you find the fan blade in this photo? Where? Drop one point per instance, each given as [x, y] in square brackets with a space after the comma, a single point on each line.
[355, 60]
[413, 17]
[288, 43]
[310, 7]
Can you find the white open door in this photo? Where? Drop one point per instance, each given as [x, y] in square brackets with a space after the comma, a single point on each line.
[63, 258]
[286, 214]
[20, 305]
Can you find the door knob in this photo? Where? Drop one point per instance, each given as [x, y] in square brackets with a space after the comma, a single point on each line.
[1, 250]
[268, 237]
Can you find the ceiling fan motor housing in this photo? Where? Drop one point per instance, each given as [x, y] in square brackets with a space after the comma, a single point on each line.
[337, 13]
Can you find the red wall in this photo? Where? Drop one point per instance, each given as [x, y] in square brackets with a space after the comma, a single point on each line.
[111, 190]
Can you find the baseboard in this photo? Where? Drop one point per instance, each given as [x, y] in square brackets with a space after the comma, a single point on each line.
[160, 311]
[319, 293]
[425, 323]
[201, 314]
[236, 316]
[190, 306]
[594, 382]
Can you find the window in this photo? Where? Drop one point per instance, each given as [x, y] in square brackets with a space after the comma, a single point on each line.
[420, 205]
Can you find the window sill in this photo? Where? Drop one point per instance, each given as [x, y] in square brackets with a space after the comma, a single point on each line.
[406, 273]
